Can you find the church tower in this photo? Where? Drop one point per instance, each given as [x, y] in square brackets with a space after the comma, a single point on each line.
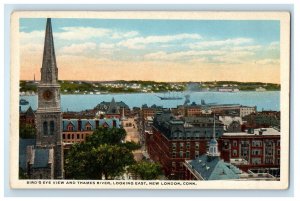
[48, 114]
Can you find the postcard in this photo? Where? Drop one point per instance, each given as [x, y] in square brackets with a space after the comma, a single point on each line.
[149, 100]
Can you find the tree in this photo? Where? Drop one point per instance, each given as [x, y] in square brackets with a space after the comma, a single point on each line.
[146, 170]
[27, 131]
[103, 135]
[103, 154]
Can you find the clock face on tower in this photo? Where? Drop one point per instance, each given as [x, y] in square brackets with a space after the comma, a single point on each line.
[47, 95]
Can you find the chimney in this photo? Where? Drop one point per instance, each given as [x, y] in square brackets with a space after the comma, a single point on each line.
[79, 124]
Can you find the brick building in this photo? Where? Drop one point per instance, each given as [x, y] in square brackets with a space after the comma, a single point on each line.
[258, 148]
[174, 140]
[28, 117]
[76, 130]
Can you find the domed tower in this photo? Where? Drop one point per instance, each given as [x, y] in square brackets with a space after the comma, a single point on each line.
[213, 144]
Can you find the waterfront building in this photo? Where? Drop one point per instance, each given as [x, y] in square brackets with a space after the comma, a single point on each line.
[146, 111]
[112, 109]
[247, 110]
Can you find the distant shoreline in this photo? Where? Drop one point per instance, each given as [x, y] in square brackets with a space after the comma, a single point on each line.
[182, 92]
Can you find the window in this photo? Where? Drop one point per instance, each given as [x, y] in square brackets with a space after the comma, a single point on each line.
[70, 127]
[78, 136]
[188, 145]
[69, 136]
[234, 153]
[278, 151]
[181, 154]
[234, 143]
[88, 127]
[45, 128]
[181, 145]
[64, 136]
[173, 154]
[51, 127]
[187, 154]
[197, 145]
[256, 152]
[174, 146]
[256, 143]
[256, 161]
[196, 154]
[173, 165]
[181, 165]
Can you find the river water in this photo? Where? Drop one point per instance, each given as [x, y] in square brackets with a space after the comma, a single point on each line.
[269, 100]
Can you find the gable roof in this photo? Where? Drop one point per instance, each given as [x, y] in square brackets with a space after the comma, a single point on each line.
[113, 108]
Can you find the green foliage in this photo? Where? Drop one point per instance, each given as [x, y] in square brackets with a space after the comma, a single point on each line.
[146, 170]
[22, 174]
[103, 154]
[28, 86]
[131, 145]
[27, 131]
[104, 135]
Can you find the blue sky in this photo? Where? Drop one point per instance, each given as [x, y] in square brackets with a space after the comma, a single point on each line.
[119, 46]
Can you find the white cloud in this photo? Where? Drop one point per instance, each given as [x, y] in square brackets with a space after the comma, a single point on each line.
[81, 33]
[274, 46]
[78, 34]
[32, 48]
[140, 42]
[32, 37]
[218, 43]
[243, 48]
[85, 33]
[78, 48]
[106, 45]
[130, 34]
[182, 55]
[268, 61]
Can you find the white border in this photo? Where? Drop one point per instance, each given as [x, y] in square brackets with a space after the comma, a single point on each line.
[284, 96]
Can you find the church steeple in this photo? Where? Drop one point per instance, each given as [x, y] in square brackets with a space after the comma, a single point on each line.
[48, 115]
[49, 71]
[213, 144]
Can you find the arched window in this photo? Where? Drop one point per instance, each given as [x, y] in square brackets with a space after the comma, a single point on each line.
[45, 128]
[51, 127]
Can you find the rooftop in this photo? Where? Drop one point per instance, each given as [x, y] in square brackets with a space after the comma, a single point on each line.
[213, 169]
[260, 131]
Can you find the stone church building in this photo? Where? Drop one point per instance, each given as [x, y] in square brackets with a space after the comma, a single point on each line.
[42, 158]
